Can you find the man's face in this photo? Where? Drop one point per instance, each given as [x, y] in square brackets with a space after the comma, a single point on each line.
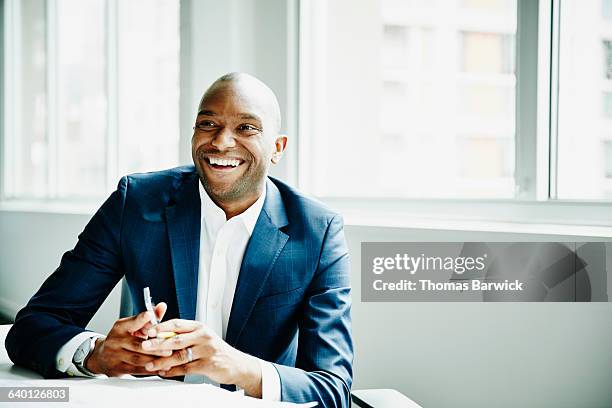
[233, 142]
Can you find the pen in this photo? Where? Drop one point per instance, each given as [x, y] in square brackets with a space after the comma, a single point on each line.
[148, 301]
[165, 335]
[149, 305]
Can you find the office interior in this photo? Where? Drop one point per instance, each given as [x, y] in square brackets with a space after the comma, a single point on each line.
[424, 121]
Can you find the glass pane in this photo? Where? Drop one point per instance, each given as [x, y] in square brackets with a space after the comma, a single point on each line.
[148, 85]
[30, 153]
[607, 9]
[81, 97]
[395, 46]
[585, 100]
[607, 150]
[76, 159]
[487, 53]
[411, 98]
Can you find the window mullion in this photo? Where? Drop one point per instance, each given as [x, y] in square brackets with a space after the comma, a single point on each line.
[554, 99]
[112, 77]
[9, 20]
[313, 109]
[292, 84]
[53, 150]
[543, 99]
[526, 100]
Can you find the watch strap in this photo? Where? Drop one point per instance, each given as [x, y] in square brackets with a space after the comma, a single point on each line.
[81, 364]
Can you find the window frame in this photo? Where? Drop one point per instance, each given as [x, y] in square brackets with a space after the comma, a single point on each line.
[536, 201]
[9, 131]
[3, 157]
[11, 20]
[534, 207]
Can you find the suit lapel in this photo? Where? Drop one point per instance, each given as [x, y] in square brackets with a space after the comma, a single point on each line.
[183, 220]
[264, 247]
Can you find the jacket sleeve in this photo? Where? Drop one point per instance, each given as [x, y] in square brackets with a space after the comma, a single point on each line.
[70, 296]
[323, 369]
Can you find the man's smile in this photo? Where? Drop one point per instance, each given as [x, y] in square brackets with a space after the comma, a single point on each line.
[223, 165]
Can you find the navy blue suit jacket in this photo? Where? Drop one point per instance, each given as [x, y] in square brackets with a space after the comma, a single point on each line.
[292, 301]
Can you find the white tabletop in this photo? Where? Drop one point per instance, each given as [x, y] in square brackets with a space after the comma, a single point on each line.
[103, 392]
[383, 398]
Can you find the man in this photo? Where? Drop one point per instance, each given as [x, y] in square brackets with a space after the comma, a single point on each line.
[253, 274]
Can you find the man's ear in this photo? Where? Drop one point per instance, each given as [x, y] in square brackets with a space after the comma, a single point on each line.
[280, 144]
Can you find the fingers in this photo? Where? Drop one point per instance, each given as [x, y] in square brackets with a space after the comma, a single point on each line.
[175, 325]
[136, 359]
[126, 368]
[177, 342]
[177, 358]
[160, 310]
[135, 345]
[175, 371]
[134, 323]
[142, 332]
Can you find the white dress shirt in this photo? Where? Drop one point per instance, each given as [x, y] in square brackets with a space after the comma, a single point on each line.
[222, 246]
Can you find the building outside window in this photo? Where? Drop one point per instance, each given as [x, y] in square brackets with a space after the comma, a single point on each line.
[91, 91]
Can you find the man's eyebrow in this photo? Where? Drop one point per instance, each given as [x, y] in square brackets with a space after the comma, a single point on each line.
[250, 116]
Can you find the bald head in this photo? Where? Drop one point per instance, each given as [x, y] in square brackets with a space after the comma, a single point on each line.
[246, 86]
[236, 139]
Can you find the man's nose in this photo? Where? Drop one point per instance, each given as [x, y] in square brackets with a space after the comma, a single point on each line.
[224, 139]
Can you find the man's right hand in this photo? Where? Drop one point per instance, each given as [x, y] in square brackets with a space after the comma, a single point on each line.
[121, 352]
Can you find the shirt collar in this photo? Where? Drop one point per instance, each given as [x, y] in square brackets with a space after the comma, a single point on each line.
[215, 216]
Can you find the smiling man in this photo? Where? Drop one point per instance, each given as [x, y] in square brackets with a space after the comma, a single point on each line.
[255, 276]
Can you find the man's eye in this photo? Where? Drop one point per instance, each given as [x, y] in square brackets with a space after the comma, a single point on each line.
[247, 127]
[206, 124]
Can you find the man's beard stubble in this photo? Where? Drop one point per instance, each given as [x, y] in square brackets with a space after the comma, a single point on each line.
[246, 184]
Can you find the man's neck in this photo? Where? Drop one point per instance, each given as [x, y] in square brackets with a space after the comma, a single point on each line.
[237, 207]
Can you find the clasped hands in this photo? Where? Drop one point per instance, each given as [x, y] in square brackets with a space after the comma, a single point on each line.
[131, 348]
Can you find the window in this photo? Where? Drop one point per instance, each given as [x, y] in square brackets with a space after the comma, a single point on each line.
[585, 100]
[438, 106]
[91, 93]
[409, 99]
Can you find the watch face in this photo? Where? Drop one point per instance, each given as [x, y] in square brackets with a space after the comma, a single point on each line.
[82, 352]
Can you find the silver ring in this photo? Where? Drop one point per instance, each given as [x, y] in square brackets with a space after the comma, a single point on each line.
[189, 354]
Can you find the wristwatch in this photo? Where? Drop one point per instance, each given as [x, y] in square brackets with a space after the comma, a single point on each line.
[81, 354]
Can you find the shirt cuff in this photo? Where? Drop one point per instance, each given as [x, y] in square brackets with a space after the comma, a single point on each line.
[63, 360]
[270, 382]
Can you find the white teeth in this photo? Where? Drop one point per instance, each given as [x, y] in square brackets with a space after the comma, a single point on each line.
[224, 162]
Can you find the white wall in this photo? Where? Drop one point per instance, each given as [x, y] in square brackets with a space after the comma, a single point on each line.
[32, 244]
[481, 354]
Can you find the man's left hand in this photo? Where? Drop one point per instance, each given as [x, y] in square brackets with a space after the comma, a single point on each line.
[210, 356]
